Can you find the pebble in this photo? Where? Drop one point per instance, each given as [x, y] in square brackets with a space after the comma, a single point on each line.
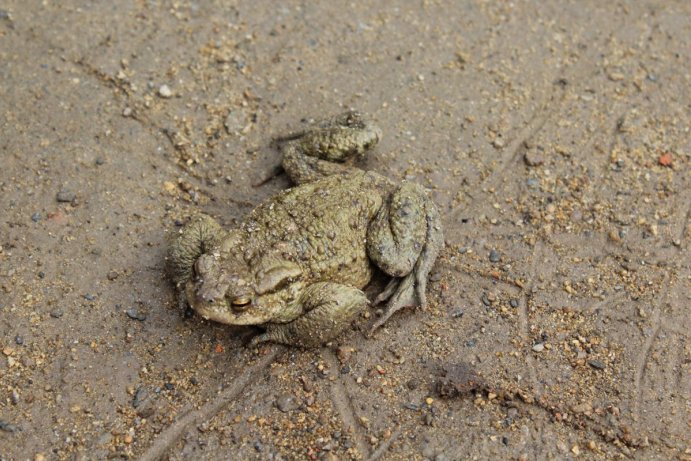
[36, 217]
[514, 303]
[134, 314]
[539, 347]
[65, 196]
[56, 314]
[8, 427]
[533, 157]
[286, 403]
[494, 256]
[457, 313]
[112, 275]
[140, 396]
[19, 340]
[597, 364]
[164, 91]
[234, 122]
[127, 112]
[90, 297]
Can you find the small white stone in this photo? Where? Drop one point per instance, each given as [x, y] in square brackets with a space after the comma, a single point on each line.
[164, 91]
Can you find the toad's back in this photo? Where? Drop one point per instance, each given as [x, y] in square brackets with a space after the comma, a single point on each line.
[322, 226]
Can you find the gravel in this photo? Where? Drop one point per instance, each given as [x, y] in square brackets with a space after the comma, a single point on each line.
[65, 196]
[286, 403]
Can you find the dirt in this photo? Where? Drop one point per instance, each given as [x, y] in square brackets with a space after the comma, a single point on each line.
[554, 137]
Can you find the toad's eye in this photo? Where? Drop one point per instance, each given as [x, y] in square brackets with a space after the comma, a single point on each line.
[241, 303]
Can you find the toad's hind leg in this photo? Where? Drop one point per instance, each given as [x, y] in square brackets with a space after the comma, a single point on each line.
[321, 150]
[404, 240]
[330, 308]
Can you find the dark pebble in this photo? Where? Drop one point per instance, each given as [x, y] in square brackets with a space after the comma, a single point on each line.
[8, 427]
[597, 364]
[179, 223]
[471, 343]
[457, 380]
[286, 403]
[147, 410]
[513, 303]
[41, 275]
[134, 314]
[258, 446]
[194, 381]
[458, 313]
[100, 161]
[411, 406]
[90, 297]
[505, 440]
[169, 386]
[56, 314]
[485, 300]
[345, 370]
[19, 340]
[112, 275]
[494, 256]
[65, 196]
[36, 217]
[412, 384]
[139, 397]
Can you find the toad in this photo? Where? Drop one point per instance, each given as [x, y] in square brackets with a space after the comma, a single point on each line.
[297, 264]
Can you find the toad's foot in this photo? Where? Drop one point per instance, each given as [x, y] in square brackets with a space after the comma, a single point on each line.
[329, 309]
[321, 150]
[404, 240]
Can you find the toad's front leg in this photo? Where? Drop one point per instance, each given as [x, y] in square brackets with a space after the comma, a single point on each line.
[199, 236]
[328, 309]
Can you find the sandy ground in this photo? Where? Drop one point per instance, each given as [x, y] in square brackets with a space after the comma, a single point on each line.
[554, 136]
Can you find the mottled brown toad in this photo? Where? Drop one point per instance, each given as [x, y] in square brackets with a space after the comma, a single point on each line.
[297, 263]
